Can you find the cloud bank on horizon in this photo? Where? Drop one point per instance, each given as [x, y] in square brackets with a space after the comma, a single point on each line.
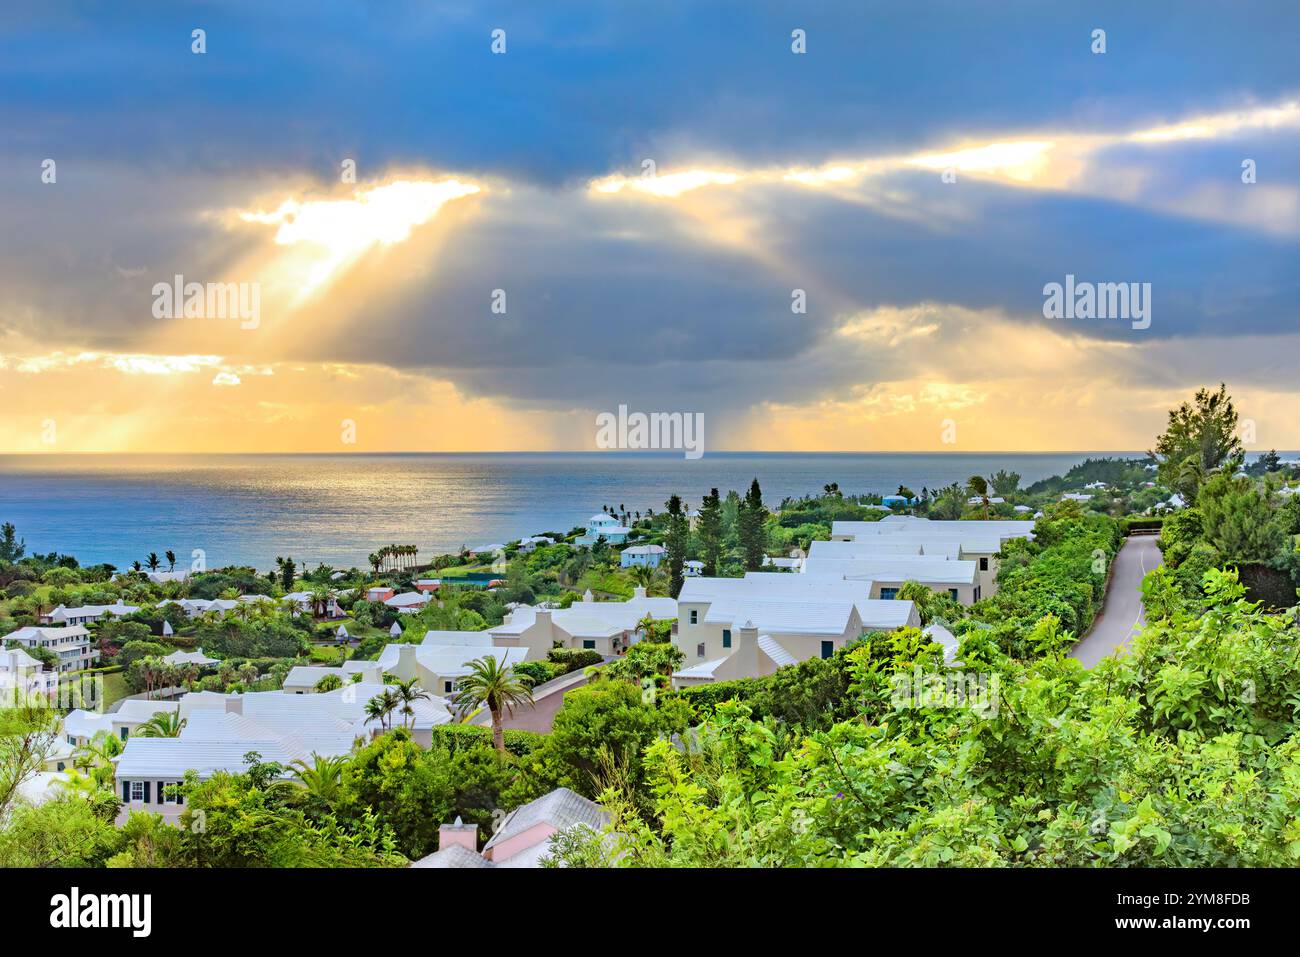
[453, 248]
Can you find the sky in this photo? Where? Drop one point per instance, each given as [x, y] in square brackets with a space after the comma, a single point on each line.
[664, 206]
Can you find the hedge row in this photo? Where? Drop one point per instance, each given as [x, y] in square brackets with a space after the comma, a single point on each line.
[463, 737]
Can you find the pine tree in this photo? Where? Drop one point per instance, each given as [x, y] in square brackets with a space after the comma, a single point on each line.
[710, 531]
[752, 531]
[675, 540]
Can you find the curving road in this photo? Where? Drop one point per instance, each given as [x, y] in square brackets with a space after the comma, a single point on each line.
[1121, 613]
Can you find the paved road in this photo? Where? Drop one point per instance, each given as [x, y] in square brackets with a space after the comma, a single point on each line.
[1121, 615]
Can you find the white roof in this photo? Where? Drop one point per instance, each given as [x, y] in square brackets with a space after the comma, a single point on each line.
[172, 757]
[783, 615]
[452, 660]
[775, 651]
[937, 632]
[900, 568]
[453, 855]
[885, 545]
[40, 633]
[94, 611]
[347, 703]
[42, 786]
[704, 669]
[958, 530]
[644, 550]
[593, 618]
[476, 639]
[87, 724]
[190, 658]
[306, 676]
[560, 809]
[15, 659]
[139, 710]
[874, 613]
[408, 598]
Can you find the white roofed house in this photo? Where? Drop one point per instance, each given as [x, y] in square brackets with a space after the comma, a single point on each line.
[977, 541]
[79, 726]
[85, 614]
[304, 601]
[647, 555]
[748, 627]
[22, 675]
[606, 527]
[608, 627]
[957, 579]
[220, 730]
[408, 602]
[71, 644]
[524, 836]
[531, 543]
[133, 712]
[303, 679]
[196, 657]
[198, 607]
[443, 658]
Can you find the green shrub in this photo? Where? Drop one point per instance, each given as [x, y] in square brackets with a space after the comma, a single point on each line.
[538, 672]
[464, 737]
[574, 658]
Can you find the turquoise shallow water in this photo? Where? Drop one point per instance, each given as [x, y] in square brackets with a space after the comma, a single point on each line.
[247, 509]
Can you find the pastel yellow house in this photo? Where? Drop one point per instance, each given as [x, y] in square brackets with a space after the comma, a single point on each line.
[607, 627]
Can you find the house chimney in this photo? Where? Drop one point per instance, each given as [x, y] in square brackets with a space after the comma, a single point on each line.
[405, 668]
[638, 591]
[588, 596]
[544, 617]
[234, 704]
[465, 835]
[746, 652]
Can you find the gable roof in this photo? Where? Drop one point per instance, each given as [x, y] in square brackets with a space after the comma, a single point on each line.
[454, 855]
[896, 568]
[42, 633]
[560, 809]
[775, 651]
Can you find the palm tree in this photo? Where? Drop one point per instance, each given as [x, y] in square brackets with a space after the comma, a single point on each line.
[374, 560]
[642, 575]
[978, 487]
[322, 596]
[153, 561]
[488, 683]
[381, 706]
[171, 560]
[164, 724]
[322, 779]
[96, 756]
[408, 692]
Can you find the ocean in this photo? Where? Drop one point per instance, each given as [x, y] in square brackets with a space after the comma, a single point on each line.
[337, 509]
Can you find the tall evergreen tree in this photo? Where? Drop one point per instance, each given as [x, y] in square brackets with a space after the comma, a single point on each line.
[675, 540]
[1201, 439]
[710, 531]
[752, 531]
[11, 547]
